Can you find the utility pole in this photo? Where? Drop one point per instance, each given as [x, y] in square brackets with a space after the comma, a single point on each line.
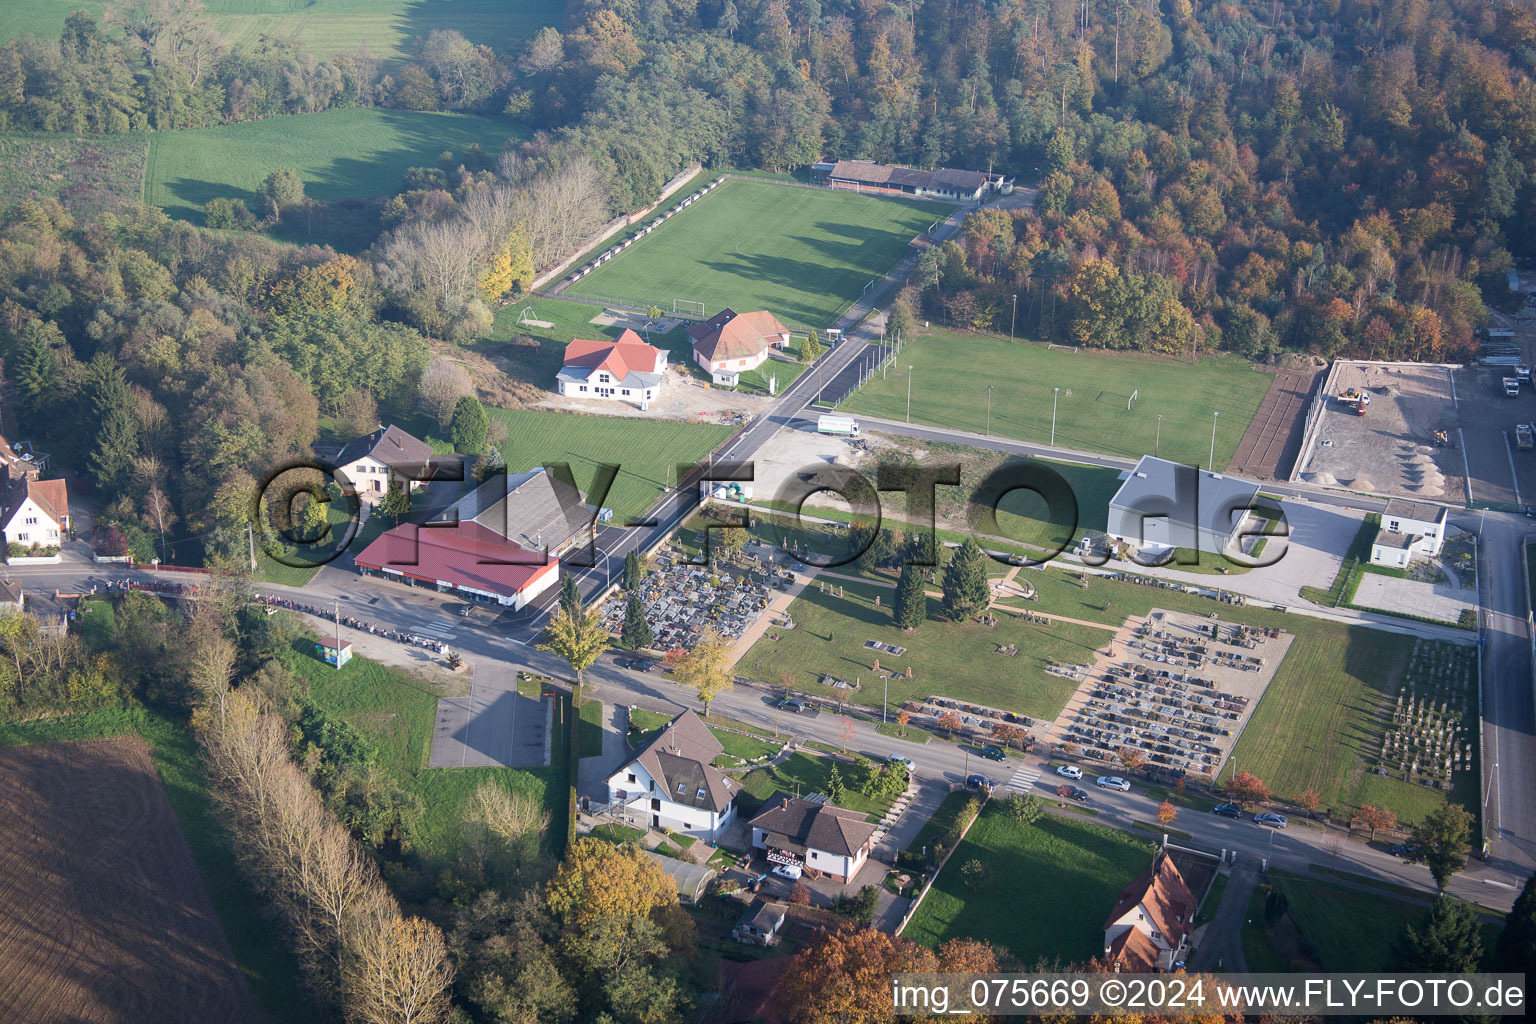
[989, 410]
[1157, 445]
[909, 394]
[1055, 394]
[250, 539]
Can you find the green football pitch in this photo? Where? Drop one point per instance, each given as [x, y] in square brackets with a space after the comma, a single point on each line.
[804, 254]
[387, 29]
[1176, 402]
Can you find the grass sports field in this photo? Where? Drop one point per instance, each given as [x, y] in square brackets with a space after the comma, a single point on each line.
[803, 253]
[951, 371]
[1046, 888]
[386, 28]
[340, 154]
[643, 448]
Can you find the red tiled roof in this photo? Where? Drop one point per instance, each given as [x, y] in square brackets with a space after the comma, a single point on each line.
[466, 555]
[52, 496]
[731, 335]
[1161, 891]
[620, 358]
[1134, 950]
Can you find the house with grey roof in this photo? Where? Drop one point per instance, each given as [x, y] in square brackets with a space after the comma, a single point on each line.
[1163, 505]
[671, 783]
[813, 834]
[535, 510]
[887, 179]
[759, 924]
[1409, 528]
[386, 454]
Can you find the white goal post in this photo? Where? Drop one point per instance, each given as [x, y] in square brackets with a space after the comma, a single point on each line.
[1134, 395]
[688, 306]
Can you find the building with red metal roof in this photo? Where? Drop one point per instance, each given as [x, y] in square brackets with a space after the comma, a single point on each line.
[462, 558]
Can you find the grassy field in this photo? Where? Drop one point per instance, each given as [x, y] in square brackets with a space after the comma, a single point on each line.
[957, 659]
[340, 154]
[801, 774]
[397, 713]
[943, 817]
[645, 449]
[1048, 886]
[86, 172]
[949, 389]
[261, 952]
[388, 29]
[802, 253]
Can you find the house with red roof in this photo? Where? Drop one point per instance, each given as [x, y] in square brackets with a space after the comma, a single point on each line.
[463, 558]
[34, 516]
[626, 370]
[1149, 927]
[729, 344]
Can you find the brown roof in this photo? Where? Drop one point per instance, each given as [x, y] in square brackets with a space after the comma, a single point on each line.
[678, 758]
[813, 824]
[52, 496]
[1134, 950]
[732, 335]
[1161, 892]
[389, 445]
[946, 178]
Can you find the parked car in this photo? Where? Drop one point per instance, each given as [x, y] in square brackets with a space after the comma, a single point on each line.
[1272, 820]
[977, 782]
[638, 664]
[789, 871]
[1069, 771]
[791, 705]
[1080, 795]
[1114, 782]
[905, 762]
[1405, 849]
[992, 752]
[1228, 810]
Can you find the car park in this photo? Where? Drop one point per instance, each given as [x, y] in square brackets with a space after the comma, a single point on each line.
[1114, 782]
[993, 753]
[1069, 771]
[790, 871]
[1272, 820]
[1228, 810]
[791, 705]
[977, 782]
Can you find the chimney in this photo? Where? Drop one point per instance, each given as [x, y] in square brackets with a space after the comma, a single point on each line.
[785, 805]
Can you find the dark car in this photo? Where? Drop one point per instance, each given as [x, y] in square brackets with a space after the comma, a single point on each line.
[993, 753]
[1228, 810]
[977, 782]
[791, 705]
[1405, 849]
[1080, 795]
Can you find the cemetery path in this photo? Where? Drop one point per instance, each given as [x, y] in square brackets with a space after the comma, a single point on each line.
[777, 608]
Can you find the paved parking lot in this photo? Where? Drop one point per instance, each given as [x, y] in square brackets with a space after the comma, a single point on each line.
[491, 726]
[1500, 473]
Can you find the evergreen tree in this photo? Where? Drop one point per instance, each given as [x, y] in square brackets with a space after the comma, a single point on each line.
[879, 551]
[570, 595]
[117, 430]
[469, 426]
[34, 365]
[965, 582]
[632, 572]
[396, 501]
[637, 631]
[1516, 950]
[1448, 940]
[911, 605]
[835, 787]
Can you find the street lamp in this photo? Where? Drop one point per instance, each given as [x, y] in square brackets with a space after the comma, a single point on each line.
[885, 699]
[1015, 319]
[989, 410]
[1055, 394]
[1214, 416]
[909, 394]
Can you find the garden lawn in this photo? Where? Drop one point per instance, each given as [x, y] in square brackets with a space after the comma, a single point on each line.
[646, 450]
[943, 817]
[805, 254]
[1047, 888]
[397, 712]
[389, 29]
[340, 154]
[801, 774]
[261, 951]
[949, 390]
[590, 731]
[739, 748]
[954, 659]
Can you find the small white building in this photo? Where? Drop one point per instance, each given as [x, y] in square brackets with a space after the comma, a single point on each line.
[389, 453]
[671, 783]
[729, 344]
[814, 835]
[1409, 529]
[34, 516]
[626, 370]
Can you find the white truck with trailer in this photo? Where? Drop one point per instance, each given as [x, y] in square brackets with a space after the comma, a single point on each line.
[837, 426]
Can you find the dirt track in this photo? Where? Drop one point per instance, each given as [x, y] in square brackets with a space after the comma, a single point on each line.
[1272, 442]
[103, 914]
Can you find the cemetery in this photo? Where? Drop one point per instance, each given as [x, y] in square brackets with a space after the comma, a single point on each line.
[1428, 739]
[1178, 692]
[682, 600]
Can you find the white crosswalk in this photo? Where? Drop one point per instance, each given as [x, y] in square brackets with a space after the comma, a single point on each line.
[1025, 778]
[434, 630]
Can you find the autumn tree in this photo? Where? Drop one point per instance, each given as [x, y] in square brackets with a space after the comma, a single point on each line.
[600, 881]
[845, 975]
[580, 639]
[397, 972]
[950, 722]
[1376, 818]
[1009, 735]
[514, 819]
[705, 668]
[1309, 801]
[1166, 812]
[903, 719]
[1248, 788]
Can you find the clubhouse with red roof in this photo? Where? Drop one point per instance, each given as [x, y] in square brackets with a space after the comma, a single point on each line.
[626, 370]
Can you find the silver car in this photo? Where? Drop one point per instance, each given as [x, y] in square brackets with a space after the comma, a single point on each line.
[1114, 782]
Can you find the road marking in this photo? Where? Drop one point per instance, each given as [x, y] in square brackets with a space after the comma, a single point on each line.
[1024, 778]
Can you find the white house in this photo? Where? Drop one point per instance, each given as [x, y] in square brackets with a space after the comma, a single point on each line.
[1149, 927]
[814, 835]
[34, 514]
[729, 344]
[627, 370]
[670, 783]
[371, 461]
[1409, 528]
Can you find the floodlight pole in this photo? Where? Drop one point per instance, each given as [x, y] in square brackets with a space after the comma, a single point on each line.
[909, 394]
[1157, 444]
[338, 634]
[989, 410]
[1055, 394]
[1214, 416]
[885, 700]
[1013, 321]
